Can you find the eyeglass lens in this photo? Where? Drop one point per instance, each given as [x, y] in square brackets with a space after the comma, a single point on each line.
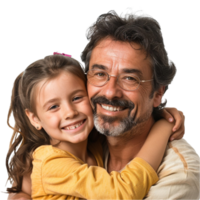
[127, 81]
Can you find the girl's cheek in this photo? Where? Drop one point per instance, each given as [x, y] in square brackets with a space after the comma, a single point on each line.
[52, 120]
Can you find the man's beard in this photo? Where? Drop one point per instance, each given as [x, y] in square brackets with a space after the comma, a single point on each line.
[106, 124]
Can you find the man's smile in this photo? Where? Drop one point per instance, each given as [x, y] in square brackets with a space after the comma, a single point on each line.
[111, 111]
[111, 108]
[114, 105]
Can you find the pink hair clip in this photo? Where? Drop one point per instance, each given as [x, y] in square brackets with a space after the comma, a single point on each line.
[61, 53]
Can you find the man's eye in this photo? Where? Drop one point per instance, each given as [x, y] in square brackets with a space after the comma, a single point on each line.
[129, 78]
[100, 74]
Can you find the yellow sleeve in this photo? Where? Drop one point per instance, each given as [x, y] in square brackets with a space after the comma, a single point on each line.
[62, 174]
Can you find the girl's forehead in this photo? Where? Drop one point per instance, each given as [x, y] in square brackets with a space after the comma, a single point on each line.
[60, 81]
[61, 86]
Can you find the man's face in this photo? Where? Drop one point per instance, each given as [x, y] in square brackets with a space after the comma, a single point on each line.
[116, 110]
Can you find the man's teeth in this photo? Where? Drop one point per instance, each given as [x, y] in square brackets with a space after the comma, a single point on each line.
[74, 127]
[111, 108]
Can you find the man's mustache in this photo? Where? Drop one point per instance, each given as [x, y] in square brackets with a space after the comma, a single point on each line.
[114, 102]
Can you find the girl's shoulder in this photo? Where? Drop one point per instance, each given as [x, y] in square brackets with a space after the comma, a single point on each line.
[46, 151]
[42, 151]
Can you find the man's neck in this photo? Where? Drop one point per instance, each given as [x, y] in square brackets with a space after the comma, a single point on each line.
[124, 148]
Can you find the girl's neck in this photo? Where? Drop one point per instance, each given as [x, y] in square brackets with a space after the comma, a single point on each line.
[79, 150]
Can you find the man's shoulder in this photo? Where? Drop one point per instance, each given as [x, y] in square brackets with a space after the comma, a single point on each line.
[178, 173]
[180, 155]
[182, 145]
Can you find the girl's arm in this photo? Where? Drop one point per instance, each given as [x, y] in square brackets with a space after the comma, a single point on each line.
[25, 194]
[59, 174]
[19, 196]
[154, 147]
[64, 175]
[156, 132]
[174, 116]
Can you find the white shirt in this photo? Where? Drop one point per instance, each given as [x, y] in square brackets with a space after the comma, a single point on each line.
[179, 173]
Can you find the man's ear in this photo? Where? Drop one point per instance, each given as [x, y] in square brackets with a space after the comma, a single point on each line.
[158, 96]
[33, 119]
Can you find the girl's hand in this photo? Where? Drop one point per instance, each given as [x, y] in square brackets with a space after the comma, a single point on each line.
[173, 115]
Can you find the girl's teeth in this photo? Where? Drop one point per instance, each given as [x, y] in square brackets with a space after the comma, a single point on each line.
[74, 127]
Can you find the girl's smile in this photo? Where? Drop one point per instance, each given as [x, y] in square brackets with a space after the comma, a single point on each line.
[71, 129]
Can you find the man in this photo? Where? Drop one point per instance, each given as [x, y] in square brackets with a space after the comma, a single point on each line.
[128, 72]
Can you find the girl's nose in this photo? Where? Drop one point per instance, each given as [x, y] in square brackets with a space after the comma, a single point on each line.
[70, 112]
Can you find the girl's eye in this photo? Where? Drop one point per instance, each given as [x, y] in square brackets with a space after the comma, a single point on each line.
[53, 107]
[76, 98]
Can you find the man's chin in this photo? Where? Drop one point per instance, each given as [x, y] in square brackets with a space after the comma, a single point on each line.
[113, 126]
[108, 119]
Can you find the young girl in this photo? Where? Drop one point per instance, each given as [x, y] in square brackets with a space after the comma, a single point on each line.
[53, 120]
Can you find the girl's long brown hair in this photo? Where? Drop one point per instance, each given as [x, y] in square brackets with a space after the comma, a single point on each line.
[26, 138]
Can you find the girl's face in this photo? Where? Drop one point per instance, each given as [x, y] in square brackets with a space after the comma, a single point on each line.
[63, 108]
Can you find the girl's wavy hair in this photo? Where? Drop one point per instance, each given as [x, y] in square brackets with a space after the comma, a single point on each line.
[26, 138]
[139, 29]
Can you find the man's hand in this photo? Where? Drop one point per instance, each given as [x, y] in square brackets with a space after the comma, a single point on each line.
[19, 196]
[173, 115]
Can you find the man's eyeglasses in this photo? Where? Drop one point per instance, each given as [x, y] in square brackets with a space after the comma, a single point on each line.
[126, 81]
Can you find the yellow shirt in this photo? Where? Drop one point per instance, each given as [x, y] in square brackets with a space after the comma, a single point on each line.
[57, 174]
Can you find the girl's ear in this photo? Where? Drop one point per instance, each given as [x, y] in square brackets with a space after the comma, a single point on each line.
[33, 119]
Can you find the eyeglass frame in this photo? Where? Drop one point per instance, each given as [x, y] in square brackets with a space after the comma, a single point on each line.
[110, 75]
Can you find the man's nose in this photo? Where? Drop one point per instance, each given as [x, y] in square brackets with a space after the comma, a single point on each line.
[111, 89]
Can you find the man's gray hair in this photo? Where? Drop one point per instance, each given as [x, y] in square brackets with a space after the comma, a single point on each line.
[134, 24]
